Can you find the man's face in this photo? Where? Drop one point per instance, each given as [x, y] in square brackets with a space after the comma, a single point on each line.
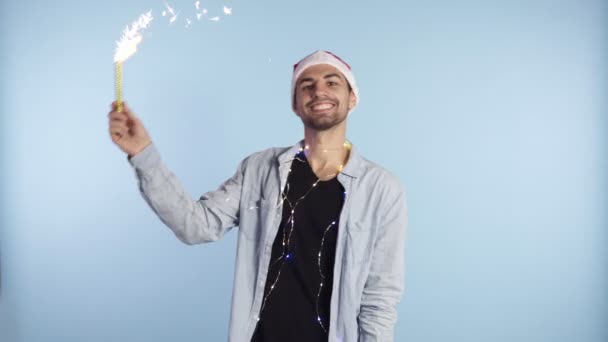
[323, 97]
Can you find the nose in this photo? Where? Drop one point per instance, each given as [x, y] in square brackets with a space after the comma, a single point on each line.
[319, 91]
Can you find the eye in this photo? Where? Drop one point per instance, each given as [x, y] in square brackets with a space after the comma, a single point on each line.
[307, 87]
[332, 83]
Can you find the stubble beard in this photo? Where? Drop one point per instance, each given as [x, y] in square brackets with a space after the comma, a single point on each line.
[323, 122]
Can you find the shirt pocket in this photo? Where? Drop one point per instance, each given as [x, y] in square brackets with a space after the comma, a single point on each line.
[359, 243]
[253, 218]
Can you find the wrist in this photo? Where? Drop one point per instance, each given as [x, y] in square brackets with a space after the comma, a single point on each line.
[138, 150]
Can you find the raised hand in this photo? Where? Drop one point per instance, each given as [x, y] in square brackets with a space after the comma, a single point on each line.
[127, 131]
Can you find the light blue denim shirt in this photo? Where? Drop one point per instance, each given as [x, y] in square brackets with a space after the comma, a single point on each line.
[370, 257]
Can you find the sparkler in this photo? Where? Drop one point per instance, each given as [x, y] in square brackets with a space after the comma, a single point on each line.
[133, 35]
[126, 47]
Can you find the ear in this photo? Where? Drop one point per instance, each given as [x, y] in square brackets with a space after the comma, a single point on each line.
[294, 106]
[352, 100]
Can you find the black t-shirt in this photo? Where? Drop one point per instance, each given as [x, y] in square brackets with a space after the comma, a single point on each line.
[291, 311]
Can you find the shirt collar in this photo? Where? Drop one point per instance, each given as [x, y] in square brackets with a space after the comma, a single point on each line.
[352, 167]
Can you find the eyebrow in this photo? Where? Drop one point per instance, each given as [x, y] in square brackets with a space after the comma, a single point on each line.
[332, 75]
[309, 79]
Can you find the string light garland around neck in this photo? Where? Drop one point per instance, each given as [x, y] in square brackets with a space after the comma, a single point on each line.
[286, 239]
[347, 146]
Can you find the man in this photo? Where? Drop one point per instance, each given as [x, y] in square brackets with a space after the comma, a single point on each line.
[320, 252]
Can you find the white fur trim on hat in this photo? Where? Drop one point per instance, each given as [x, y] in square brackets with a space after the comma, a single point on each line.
[323, 57]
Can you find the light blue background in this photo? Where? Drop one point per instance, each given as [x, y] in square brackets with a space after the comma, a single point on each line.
[493, 114]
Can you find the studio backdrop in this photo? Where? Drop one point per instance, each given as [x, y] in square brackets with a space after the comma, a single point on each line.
[493, 114]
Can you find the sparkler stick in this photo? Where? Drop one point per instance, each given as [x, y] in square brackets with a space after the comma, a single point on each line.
[125, 48]
[118, 79]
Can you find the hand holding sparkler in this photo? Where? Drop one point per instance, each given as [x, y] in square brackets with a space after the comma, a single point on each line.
[127, 130]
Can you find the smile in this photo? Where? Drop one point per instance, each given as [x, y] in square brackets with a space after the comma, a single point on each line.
[322, 106]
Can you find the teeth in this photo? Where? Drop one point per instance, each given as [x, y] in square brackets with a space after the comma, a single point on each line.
[322, 106]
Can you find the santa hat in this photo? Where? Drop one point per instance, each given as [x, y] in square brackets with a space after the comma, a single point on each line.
[323, 57]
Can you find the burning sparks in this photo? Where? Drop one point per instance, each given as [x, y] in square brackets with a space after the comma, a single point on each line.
[172, 14]
[170, 9]
[131, 37]
[202, 13]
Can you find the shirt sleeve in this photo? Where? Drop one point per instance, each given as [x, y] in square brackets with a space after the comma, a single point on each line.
[192, 221]
[384, 286]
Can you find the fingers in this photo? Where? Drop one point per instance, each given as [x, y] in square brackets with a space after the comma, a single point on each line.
[116, 137]
[117, 116]
[118, 122]
[125, 114]
[128, 112]
[122, 124]
[119, 127]
[114, 106]
[118, 130]
[125, 109]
